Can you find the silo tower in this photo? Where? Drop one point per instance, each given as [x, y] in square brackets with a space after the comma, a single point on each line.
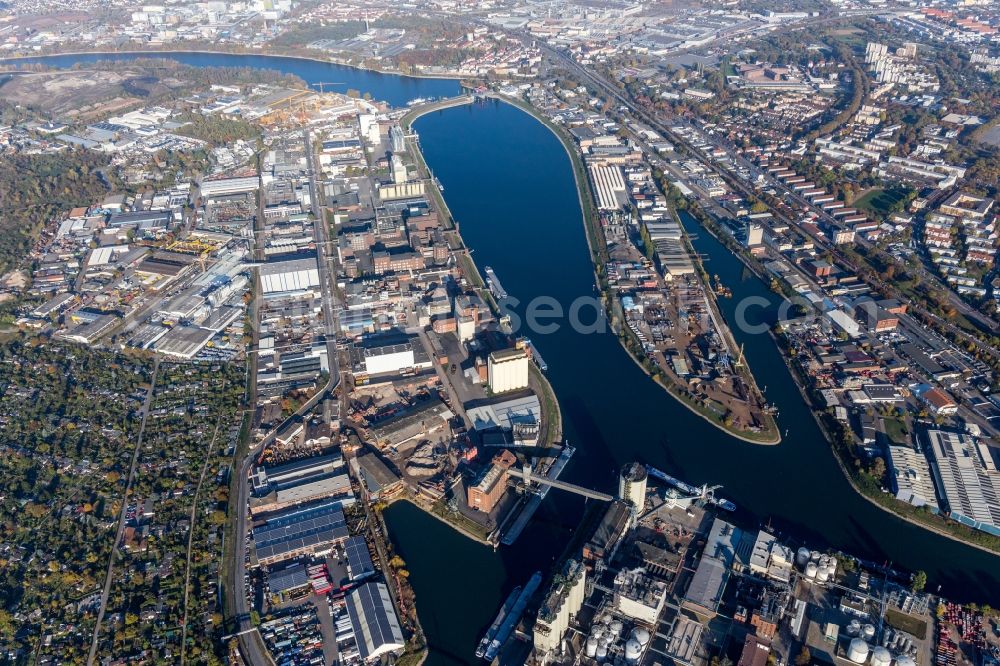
[632, 485]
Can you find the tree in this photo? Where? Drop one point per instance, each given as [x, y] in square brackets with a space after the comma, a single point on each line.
[878, 469]
[7, 627]
[804, 657]
[919, 581]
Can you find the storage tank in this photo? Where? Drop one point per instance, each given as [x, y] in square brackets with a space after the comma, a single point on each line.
[602, 653]
[854, 628]
[633, 650]
[641, 635]
[868, 632]
[822, 574]
[811, 570]
[881, 657]
[905, 660]
[590, 649]
[616, 628]
[858, 651]
[598, 631]
[802, 556]
[814, 557]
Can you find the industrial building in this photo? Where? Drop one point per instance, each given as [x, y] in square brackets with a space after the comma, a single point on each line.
[222, 186]
[967, 479]
[289, 275]
[390, 354]
[704, 593]
[491, 484]
[288, 579]
[639, 596]
[359, 558]
[379, 480]
[265, 479]
[667, 237]
[419, 420]
[562, 602]
[911, 477]
[373, 618]
[308, 530]
[305, 490]
[508, 370]
[514, 421]
[607, 537]
[609, 185]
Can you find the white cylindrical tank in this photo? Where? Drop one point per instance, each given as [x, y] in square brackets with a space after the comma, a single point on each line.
[905, 660]
[833, 566]
[854, 628]
[858, 651]
[602, 653]
[802, 556]
[811, 570]
[633, 650]
[822, 574]
[881, 657]
[641, 635]
[814, 557]
[616, 628]
[868, 632]
[598, 631]
[590, 648]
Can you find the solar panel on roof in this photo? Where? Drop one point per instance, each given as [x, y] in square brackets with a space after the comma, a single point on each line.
[300, 529]
[288, 579]
[359, 559]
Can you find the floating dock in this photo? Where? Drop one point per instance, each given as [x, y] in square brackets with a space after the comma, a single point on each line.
[535, 501]
[493, 283]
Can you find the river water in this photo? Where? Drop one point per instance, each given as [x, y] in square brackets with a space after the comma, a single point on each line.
[509, 184]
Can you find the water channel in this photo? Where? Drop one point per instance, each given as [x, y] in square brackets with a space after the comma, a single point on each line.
[509, 183]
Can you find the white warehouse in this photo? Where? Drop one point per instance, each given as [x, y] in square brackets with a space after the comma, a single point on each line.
[288, 277]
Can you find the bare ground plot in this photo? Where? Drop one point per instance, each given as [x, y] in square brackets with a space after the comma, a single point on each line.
[992, 137]
[84, 93]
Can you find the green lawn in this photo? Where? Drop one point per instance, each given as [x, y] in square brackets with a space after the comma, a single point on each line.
[882, 201]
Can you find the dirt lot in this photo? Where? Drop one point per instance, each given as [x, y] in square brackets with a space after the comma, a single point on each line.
[84, 93]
